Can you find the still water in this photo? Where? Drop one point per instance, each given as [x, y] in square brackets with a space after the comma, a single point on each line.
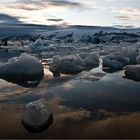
[107, 108]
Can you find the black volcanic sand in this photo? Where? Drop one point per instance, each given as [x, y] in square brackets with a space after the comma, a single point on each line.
[108, 108]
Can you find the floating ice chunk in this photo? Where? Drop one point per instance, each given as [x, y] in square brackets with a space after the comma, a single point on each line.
[71, 64]
[22, 69]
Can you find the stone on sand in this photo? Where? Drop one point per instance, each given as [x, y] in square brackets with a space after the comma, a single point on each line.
[37, 116]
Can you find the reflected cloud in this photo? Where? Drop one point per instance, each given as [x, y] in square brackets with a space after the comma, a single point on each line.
[118, 127]
[68, 85]
[8, 90]
[48, 73]
[62, 112]
[68, 122]
[125, 126]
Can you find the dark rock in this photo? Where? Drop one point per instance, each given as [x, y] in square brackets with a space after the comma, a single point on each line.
[4, 42]
[37, 116]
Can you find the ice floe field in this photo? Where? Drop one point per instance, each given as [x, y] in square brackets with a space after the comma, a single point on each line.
[71, 82]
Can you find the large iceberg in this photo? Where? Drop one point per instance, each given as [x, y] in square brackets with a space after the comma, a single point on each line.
[113, 62]
[24, 70]
[132, 72]
[91, 60]
[71, 64]
[39, 45]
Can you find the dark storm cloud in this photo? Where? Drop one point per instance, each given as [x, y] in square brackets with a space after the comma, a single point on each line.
[123, 26]
[4, 18]
[25, 7]
[40, 4]
[63, 3]
[55, 20]
[123, 17]
[34, 2]
[28, 5]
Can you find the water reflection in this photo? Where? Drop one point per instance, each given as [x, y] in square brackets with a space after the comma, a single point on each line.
[117, 127]
[111, 93]
[71, 123]
[108, 108]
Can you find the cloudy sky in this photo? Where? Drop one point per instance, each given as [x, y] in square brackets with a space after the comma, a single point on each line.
[71, 12]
